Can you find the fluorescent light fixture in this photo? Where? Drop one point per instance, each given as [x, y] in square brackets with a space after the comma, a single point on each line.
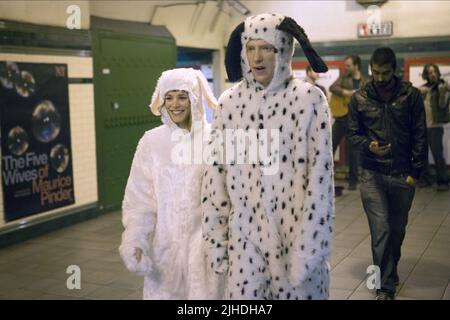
[238, 6]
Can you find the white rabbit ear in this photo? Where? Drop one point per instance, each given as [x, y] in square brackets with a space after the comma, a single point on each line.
[155, 105]
[206, 90]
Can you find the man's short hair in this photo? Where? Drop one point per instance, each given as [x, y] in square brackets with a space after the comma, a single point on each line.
[383, 56]
[425, 70]
[356, 60]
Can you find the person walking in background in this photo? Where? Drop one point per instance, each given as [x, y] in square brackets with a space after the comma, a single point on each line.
[312, 77]
[341, 92]
[387, 123]
[436, 94]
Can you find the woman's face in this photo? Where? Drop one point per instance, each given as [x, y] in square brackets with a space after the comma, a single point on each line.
[178, 106]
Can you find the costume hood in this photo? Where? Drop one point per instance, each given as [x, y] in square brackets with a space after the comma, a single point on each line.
[187, 79]
[277, 30]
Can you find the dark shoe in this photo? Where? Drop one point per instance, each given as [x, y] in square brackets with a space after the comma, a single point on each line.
[381, 295]
[338, 191]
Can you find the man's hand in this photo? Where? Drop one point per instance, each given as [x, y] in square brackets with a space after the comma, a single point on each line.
[379, 150]
[348, 93]
[411, 181]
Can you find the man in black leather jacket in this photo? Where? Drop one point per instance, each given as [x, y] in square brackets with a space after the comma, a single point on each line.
[387, 123]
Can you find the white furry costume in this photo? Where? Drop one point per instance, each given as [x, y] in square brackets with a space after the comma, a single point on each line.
[161, 207]
[272, 233]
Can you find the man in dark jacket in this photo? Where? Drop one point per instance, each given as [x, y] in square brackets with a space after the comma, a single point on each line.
[387, 122]
[345, 86]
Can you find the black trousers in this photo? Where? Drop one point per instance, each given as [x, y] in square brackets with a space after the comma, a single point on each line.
[339, 130]
[435, 142]
[386, 201]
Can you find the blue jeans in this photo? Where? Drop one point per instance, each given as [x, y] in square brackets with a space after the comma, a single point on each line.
[386, 200]
[436, 145]
[351, 153]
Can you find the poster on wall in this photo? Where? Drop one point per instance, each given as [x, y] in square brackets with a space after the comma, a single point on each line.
[36, 162]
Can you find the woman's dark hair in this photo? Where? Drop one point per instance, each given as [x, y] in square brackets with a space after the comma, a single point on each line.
[425, 71]
[356, 60]
[384, 56]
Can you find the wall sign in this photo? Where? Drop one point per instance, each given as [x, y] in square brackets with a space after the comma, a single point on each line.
[36, 162]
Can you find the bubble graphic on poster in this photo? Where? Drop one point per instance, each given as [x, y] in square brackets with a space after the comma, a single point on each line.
[45, 122]
[59, 158]
[9, 73]
[25, 84]
[17, 141]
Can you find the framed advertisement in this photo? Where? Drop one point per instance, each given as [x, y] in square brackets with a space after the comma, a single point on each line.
[36, 162]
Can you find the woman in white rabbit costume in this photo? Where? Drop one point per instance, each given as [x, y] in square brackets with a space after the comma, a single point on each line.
[270, 231]
[162, 239]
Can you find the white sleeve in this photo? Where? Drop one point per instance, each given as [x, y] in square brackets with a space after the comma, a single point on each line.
[138, 210]
[216, 204]
[313, 244]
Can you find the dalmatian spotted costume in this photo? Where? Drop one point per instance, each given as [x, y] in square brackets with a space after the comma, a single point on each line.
[161, 207]
[271, 233]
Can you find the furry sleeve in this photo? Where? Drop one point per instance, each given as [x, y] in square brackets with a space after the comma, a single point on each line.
[138, 209]
[215, 200]
[313, 244]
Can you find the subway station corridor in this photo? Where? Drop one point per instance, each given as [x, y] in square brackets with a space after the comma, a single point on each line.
[224, 121]
[36, 269]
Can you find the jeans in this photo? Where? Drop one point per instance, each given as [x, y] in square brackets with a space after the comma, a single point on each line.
[435, 136]
[351, 154]
[386, 200]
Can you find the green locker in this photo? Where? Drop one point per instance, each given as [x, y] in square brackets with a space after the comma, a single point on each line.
[128, 60]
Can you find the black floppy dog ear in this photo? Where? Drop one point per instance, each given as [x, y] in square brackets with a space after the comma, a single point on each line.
[233, 54]
[291, 27]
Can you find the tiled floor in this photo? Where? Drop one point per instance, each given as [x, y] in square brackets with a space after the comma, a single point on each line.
[36, 269]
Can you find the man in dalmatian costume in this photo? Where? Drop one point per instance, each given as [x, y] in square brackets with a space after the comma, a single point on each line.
[271, 231]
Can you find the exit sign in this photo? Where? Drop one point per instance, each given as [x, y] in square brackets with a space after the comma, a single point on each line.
[382, 29]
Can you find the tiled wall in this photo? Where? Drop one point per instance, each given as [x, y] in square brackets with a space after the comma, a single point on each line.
[82, 125]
